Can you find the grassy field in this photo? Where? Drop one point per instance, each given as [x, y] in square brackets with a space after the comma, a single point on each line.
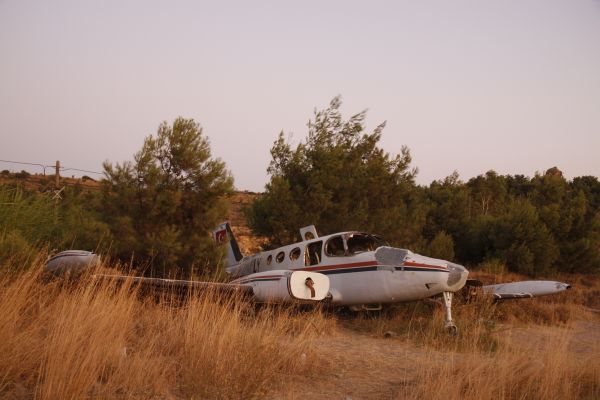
[97, 339]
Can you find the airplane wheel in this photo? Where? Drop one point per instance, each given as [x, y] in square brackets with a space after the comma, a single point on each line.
[452, 330]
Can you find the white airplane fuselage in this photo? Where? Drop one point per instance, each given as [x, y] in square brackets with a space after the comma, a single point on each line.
[361, 270]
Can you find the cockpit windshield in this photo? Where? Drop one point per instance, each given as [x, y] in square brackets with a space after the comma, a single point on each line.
[352, 243]
[361, 242]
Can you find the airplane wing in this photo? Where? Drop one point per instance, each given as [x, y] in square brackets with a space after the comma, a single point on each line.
[269, 286]
[179, 284]
[524, 289]
[280, 286]
[519, 290]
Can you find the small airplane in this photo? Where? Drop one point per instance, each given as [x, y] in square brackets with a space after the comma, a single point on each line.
[354, 269]
[363, 270]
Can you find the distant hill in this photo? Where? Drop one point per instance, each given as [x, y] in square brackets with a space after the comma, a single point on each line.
[43, 183]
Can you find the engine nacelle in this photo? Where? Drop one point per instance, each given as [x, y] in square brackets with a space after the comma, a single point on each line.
[71, 262]
[284, 286]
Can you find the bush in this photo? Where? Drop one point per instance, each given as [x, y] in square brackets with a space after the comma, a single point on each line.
[22, 175]
[15, 250]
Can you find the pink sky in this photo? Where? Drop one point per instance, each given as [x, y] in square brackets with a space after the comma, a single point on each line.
[470, 86]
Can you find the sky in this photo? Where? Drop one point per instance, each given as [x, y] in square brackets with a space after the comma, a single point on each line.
[468, 86]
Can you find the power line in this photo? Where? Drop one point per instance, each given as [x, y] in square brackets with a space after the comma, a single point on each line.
[27, 163]
[52, 166]
[81, 170]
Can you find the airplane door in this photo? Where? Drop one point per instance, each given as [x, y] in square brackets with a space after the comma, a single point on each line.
[313, 253]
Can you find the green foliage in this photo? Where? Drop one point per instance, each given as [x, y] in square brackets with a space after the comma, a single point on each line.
[32, 216]
[441, 246]
[30, 220]
[449, 210]
[522, 241]
[162, 207]
[488, 193]
[535, 226]
[15, 250]
[338, 179]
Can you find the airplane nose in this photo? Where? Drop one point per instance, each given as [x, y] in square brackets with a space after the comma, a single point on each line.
[457, 276]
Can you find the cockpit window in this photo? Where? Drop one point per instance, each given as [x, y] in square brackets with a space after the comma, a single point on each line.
[335, 247]
[360, 242]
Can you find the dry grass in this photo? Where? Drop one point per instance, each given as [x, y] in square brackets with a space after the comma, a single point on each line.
[99, 339]
[514, 371]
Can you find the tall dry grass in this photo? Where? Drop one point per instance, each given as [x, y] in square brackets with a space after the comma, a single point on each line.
[515, 371]
[98, 339]
[101, 339]
[489, 359]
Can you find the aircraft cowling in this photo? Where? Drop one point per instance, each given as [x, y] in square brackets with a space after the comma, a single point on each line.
[284, 286]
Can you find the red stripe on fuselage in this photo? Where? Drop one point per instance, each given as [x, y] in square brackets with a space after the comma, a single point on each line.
[416, 264]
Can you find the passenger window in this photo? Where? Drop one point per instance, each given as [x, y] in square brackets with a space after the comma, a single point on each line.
[313, 253]
[295, 254]
[280, 257]
[269, 259]
[335, 247]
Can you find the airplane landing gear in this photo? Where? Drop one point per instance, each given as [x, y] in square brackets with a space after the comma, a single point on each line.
[448, 323]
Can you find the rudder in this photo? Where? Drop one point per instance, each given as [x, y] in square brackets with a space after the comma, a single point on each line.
[223, 235]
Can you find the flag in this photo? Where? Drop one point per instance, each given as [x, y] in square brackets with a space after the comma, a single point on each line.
[221, 235]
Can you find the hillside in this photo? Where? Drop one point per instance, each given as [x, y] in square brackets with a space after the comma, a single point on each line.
[249, 243]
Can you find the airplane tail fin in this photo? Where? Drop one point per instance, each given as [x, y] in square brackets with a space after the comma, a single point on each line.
[223, 235]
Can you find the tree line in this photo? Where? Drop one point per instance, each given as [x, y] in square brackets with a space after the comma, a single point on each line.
[339, 178]
[158, 210]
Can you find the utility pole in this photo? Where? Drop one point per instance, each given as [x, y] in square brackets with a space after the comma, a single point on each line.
[57, 175]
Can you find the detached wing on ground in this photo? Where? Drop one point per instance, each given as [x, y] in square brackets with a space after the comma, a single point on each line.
[524, 289]
[516, 290]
